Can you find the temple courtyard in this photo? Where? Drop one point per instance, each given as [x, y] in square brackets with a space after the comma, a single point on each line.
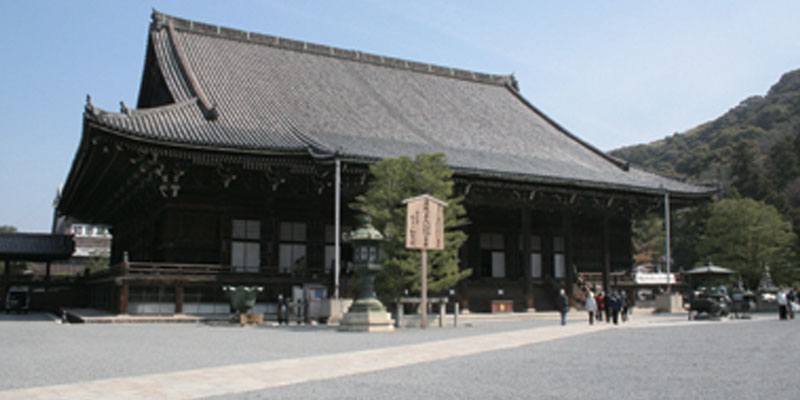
[514, 356]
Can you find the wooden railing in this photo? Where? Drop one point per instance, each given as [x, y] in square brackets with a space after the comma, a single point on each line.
[146, 268]
[156, 268]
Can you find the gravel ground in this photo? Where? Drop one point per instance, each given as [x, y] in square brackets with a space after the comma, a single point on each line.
[708, 360]
[717, 360]
[36, 351]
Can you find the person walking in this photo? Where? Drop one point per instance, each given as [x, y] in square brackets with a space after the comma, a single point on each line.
[591, 306]
[782, 303]
[600, 299]
[625, 306]
[613, 305]
[283, 311]
[563, 305]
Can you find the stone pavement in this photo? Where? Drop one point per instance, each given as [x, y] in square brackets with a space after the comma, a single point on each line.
[226, 380]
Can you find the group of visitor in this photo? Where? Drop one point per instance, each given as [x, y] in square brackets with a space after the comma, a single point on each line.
[613, 306]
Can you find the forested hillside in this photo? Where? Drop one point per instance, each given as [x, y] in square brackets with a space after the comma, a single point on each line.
[753, 153]
[753, 149]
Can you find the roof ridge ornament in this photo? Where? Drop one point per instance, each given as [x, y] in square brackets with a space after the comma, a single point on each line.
[91, 110]
[158, 19]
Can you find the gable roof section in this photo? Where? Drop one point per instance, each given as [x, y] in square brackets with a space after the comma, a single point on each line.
[237, 90]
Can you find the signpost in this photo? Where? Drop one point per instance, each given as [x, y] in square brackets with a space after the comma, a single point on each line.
[424, 231]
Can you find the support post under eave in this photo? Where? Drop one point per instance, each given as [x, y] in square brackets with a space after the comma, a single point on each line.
[526, 258]
[6, 279]
[571, 269]
[668, 252]
[47, 277]
[606, 257]
[123, 299]
[337, 228]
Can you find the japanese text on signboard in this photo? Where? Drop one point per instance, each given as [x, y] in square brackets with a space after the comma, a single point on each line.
[425, 224]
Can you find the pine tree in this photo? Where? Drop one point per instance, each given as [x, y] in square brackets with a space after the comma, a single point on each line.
[393, 181]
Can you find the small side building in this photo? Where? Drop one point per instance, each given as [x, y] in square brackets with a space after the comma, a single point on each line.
[16, 248]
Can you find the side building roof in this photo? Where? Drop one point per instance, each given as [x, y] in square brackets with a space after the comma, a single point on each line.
[35, 246]
[234, 91]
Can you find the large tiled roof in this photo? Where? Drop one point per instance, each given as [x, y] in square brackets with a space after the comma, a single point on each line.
[244, 91]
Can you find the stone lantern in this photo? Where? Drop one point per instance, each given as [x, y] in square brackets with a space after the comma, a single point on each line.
[367, 314]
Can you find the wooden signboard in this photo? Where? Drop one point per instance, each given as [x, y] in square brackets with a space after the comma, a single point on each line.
[424, 223]
[424, 231]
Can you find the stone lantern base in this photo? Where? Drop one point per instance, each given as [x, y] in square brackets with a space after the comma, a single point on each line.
[367, 315]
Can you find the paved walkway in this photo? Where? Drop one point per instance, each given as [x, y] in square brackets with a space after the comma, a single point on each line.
[216, 381]
[95, 316]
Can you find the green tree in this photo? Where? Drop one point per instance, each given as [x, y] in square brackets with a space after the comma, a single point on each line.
[394, 180]
[688, 226]
[648, 240]
[746, 235]
[782, 163]
[747, 177]
[98, 260]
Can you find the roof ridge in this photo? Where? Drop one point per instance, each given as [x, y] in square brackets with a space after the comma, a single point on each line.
[161, 20]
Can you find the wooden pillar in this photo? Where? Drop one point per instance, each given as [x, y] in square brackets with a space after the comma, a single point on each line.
[463, 299]
[525, 232]
[606, 256]
[6, 280]
[179, 299]
[568, 256]
[123, 299]
[47, 277]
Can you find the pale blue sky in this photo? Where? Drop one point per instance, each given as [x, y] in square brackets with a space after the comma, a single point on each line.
[613, 73]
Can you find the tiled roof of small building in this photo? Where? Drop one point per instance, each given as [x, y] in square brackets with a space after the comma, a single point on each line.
[35, 246]
[245, 91]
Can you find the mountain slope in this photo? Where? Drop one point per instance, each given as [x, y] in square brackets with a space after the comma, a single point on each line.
[706, 153]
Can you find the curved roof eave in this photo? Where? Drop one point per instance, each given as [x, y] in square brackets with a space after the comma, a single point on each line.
[93, 116]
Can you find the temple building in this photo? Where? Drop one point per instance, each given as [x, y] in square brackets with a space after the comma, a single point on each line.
[243, 146]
